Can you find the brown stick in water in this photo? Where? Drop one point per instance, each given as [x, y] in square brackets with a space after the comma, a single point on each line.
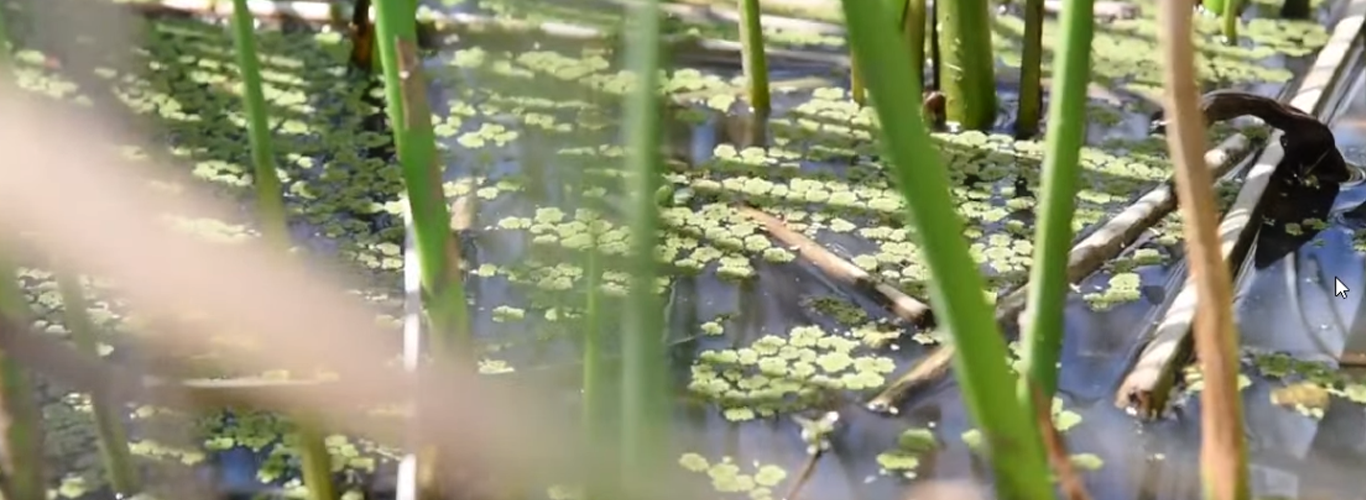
[904, 306]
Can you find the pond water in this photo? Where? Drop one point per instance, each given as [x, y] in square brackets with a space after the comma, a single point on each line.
[825, 136]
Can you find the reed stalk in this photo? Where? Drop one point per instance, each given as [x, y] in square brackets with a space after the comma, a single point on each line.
[21, 439]
[410, 117]
[857, 92]
[969, 78]
[755, 64]
[270, 208]
[1223, 458]
[913, 29]
[1230, 18]
[111, 433]
[1031, 71]
[597, 371]
[645, 386]
[269, 198]
[956, 286]
[1048, 280]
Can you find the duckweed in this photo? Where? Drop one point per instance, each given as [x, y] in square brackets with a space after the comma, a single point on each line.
[777, 374]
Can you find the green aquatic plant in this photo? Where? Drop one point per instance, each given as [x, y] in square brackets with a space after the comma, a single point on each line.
[1031, 69]
[904, 459]
[269, 200]
[777, 374]
[727, 476]
[753, 61]
[1048, 283]
[645, 384]
[22, 462]
[956, 288]
[968, 81]
[410, 117]
[113, 436]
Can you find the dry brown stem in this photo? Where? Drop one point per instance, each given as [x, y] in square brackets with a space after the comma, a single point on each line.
[1222, 446]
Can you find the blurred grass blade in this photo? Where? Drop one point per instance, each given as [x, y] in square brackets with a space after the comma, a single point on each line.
[270, 206]
[753, 60]
[645, 386]
[1048, 284]
[1223, 458]
[21, 438]
[1013, 441]
[111, 433]
[598, 373]
[269, 200]
[969, 79]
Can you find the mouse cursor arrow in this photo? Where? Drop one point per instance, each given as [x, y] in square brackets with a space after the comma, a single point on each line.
[1339, 288]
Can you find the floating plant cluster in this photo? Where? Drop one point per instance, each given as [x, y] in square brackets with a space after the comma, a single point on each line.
[783, 374]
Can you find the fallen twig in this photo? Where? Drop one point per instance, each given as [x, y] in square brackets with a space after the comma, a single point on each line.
[904, 306]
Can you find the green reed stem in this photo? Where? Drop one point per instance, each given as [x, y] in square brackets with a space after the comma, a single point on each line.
[645, 386]
[913, 28]
[111, 433]
[411, 118]
[857, 92]
[755, 64]
[969, 78]
[270, 208]
[1230, 18]
[956, 289]
[1031, 71]
[597, 372]
[1048, 286]
[269, 198]
[21, 447]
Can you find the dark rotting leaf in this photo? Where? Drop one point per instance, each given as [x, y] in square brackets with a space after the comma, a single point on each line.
[1311, 152]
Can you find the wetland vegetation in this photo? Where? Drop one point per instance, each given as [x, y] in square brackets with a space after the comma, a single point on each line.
[762, 249]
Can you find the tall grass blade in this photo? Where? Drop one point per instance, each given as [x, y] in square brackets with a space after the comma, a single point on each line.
[969, 79]
[111, 434]
[21, 438]
[1223, 459]
[269, 200]
[1014, 445]
[1048, 284]
[598, 393]
[270, 207]
[645, 386]
[755, 64]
